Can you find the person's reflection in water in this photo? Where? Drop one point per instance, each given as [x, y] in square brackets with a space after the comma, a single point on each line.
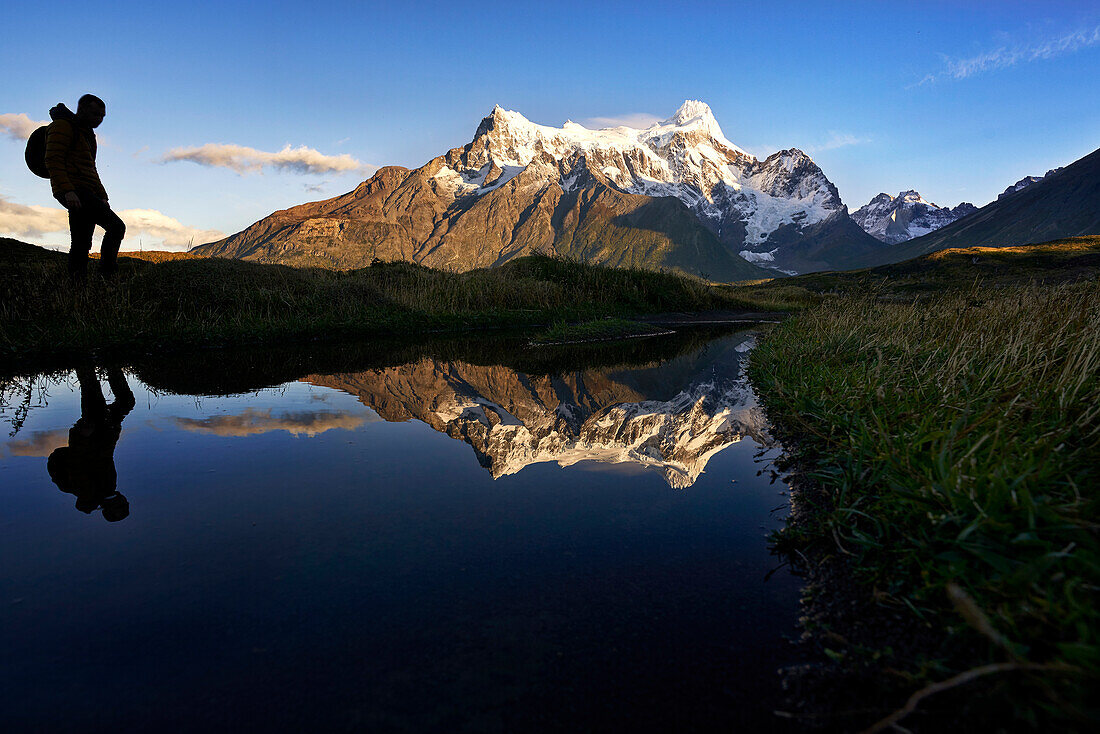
[86, 467]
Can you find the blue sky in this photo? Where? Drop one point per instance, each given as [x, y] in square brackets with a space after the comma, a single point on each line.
[957, 100]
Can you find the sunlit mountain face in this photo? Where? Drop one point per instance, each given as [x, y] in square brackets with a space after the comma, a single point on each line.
[677, 195]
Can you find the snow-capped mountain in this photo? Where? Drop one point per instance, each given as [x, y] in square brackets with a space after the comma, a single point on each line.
[685, 156]
[894, 219]
[743, 200]
[1024, 182]
[676, 195]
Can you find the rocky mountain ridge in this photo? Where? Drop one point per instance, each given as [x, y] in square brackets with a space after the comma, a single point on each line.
[676, 195]
[1024, 182]
[896, 219]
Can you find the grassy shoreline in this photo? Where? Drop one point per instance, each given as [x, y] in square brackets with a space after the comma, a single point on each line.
[179, 303]
[948, 452]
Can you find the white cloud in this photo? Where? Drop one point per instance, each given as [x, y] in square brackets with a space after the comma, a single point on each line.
[243, 159]
[18, 126]
[639, 120]
[17, 220]
[836, 140]
[1005, 56]
[145, 228]
[168, 232]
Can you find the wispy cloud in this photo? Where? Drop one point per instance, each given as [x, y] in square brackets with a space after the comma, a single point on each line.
[315, 188]
[836, 140]
[761, 151]
[252, 422]
[148, 227]
[639, 120]
[40, 443]
[18, 126]
[1010, 55]
[243, 159]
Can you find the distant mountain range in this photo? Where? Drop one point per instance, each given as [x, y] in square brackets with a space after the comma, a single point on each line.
[895, 219]
[1064, 203]
[676, 195]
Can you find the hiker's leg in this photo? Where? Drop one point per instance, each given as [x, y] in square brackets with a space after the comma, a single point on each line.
[81, 226]
[92, 403]
[124, 396]
[114, 231]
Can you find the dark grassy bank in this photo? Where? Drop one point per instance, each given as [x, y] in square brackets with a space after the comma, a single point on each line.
[1058, 261]
[163, 301]
[607, 329]
[949, 455]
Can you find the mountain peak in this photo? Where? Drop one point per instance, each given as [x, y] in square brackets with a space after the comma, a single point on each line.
[499, 119]
[691, 112]
[692, 108]
[896, 219]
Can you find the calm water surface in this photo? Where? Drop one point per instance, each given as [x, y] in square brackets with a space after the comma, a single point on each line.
[446, 537]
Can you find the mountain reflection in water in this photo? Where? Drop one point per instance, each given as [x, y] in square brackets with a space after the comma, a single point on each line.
[309, 550]
[672, 416]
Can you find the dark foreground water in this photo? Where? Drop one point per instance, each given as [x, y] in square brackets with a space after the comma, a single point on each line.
[448, 537]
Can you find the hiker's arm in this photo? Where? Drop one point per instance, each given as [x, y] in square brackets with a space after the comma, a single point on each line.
[58, 141]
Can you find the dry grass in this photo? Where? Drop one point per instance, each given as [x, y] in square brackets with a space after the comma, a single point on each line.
[163, 300]
[957, 441]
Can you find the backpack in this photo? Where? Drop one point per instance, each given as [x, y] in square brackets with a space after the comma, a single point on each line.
[36, 152]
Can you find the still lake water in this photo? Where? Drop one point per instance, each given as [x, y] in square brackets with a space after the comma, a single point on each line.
[453, 536]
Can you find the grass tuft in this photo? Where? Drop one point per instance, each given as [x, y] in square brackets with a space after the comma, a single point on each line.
[957, 443]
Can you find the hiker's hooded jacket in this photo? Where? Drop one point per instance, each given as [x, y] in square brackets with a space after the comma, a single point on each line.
[70, 155]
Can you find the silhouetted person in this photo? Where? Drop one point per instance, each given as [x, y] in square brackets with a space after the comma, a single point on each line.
[86, 467]
[70, 159]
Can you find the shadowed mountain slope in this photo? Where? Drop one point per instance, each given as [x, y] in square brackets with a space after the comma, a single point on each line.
[1065, 203]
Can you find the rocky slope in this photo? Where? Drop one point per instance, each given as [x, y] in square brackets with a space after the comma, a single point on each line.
[671, 418]
[1065, 203]
[676, 195]
[895, 219]
[1024, 182]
